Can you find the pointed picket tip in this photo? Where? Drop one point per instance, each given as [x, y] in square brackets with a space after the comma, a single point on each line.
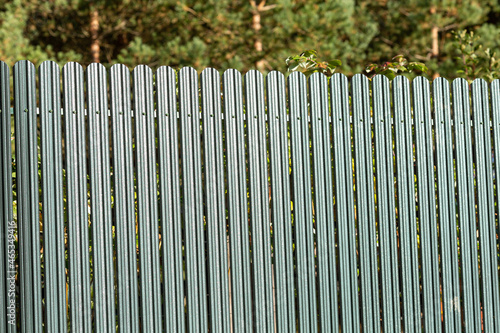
[421, 79]
[317, 77]
[339, 76]
[3, 64]
[188, 70]
[210, 71]
[460, 81]
[72, 65]
[24, 63]
[441, 80]
[231, 73]
[143, 69]
[495, 84]
[360, 78]
[478, 82]
[296, 76]
[48, 64]
[379, 78]
[253, 73]
[275, 74]
[399, 79]
[119, 67]
[165, 69]
[96, 66]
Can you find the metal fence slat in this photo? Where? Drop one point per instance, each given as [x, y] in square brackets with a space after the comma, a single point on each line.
[495, 112]
[52, 197]
[426, 205]
[407, 219]
[446, 205]
[239, 246]
[302, 204]
[344, 203]
[123, 199]
[100, 194]
[323, 203]
[27, 199]
[8, 318]
[215, 216]
[386, 204]
[80, 314]
[281, 203]
[259, 202]
[485, 206]
[147, 201]
[170, 200]
[466, 206]
[193, 201]
[365, 205]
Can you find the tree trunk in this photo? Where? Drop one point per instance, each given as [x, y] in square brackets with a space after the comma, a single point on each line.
[258, 8]
[435, 41]
[95, 47]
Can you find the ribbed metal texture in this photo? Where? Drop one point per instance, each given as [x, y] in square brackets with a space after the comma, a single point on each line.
[406, 206]
[237, 189]
[258, 190]
[426, 205]
[192, 200]
[344, 204]
[215, 207]
[386, 201]
[7, 226]
[471, 307]
[123, 195]
[304, 232]
[179, 202]
[77, 205]
[27, 185]
[52, 197]
[101, 245]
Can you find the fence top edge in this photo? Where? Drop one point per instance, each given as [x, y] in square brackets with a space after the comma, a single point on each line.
[107, 67]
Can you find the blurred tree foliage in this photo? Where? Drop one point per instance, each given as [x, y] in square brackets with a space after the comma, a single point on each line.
[227, 33]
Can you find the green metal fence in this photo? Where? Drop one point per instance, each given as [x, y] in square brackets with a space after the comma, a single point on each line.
[172, 201]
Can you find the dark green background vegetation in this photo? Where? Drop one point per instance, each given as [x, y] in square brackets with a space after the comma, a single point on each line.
[245, 34]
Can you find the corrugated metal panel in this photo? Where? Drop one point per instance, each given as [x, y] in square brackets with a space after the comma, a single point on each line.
[310, 206]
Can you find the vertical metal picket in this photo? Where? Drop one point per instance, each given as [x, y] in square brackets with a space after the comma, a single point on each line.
[27, 198]
[281, 203]
[323, 203]
[403, 148]
[52, 197]
[485, 206]
[8, 318]
[259, 202]
[495, 111]
[194, 232]
[302, 203]
[215, 208]
[365, 204]
[344, 203]
[147, 201]
[426, 205]
[124, 203]
[170, 200]
[239, 248]
[471, 308]
[80, 314]
[100, 195]
[386, 204]
[446, 204]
